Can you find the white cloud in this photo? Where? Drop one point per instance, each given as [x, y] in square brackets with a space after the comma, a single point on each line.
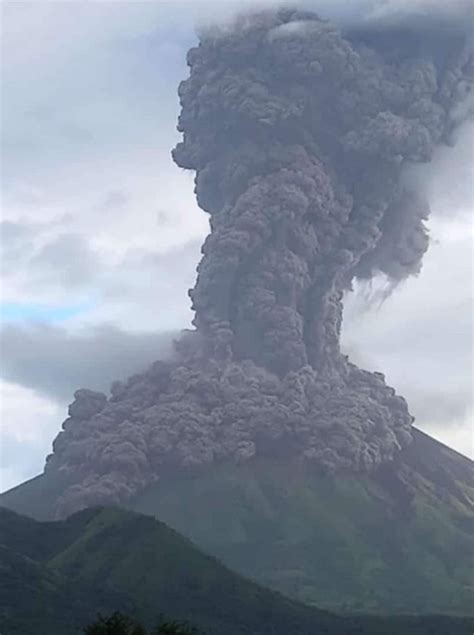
[28, 424]
[458, 436]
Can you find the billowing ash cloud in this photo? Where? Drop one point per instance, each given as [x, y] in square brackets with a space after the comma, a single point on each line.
[299, 136]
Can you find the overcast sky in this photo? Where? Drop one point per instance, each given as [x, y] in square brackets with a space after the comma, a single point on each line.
[100, 233]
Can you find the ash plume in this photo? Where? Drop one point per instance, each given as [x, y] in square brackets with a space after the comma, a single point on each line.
[299, 136]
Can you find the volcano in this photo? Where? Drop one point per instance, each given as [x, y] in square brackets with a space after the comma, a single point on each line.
[259, 438]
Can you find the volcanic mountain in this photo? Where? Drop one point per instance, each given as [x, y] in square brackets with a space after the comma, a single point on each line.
[399, 540]
[296, 466]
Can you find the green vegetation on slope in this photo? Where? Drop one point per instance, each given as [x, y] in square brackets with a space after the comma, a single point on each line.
[36, 600]
[56, 576]
[400, 541]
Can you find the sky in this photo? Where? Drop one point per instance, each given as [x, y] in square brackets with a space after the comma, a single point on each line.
[100, 233]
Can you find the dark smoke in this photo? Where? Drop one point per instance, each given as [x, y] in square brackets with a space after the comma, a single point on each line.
[299, 136]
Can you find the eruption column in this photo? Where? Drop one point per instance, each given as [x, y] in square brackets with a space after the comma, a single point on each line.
[299, 136]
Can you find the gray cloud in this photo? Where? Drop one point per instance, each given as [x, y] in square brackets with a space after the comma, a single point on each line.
[55, 362]
[11, 232]
[456, 9]
[16, 241]
[115, 200]
[355, 13]
[61, 269]
[68, 259]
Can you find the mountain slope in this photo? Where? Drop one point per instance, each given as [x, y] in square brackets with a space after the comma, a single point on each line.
[36, 598]
[55, 576]
[400, 541]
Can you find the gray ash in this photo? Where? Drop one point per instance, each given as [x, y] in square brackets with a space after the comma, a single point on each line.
[299, 137]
